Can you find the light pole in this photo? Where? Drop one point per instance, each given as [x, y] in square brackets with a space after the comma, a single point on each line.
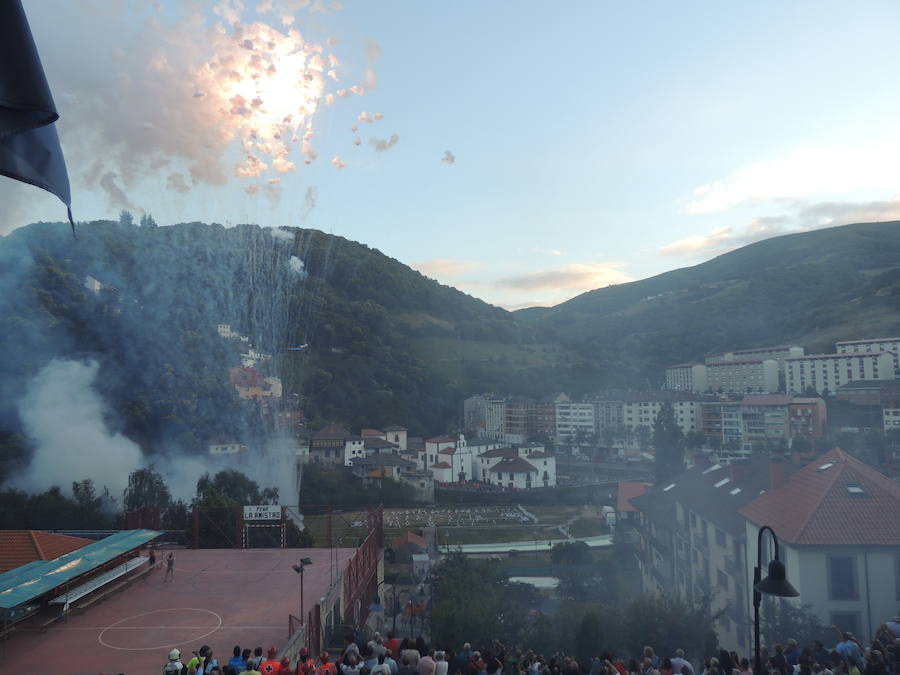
[299, 570]
[774, 584]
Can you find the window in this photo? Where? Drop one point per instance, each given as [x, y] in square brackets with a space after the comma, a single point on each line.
[720, 538]
[842, 579]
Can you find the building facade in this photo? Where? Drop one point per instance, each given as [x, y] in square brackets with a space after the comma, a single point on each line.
[873, 346]
[686, 377]
[827, 372]
[744, 376]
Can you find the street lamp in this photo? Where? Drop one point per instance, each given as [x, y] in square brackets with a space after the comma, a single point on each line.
[299, 570]
[774, 584]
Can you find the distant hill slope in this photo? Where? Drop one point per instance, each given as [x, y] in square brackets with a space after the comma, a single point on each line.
[810, 288]
[386, 345]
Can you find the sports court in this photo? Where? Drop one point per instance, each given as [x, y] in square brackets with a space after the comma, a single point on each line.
[219, 597]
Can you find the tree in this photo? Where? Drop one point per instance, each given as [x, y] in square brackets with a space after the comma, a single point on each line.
[588, 637]
[781, 620]
[694, 440]
[126, 219]
[147, 221]
[667, 622]
[146, 488]
[801, 444]
[668, 440]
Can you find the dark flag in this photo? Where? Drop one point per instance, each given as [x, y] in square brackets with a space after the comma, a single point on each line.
[29, 146]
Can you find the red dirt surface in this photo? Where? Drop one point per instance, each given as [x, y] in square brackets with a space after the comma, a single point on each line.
[219, 598]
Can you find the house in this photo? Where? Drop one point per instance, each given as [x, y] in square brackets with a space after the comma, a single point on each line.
[838, 526]
[377, 467]
[514, 472]
[407, 545]
[489, 458]
[354, 446]
[396, 435]
[20, 547]
[327, 444]
[442, 472]
[252, 385]
[452, 451]
[627, 515]
[376, 445]
[228, 448]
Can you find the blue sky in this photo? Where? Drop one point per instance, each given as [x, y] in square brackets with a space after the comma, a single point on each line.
[594, 142]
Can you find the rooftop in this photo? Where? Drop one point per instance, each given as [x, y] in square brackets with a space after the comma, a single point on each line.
[331, 431]
[835, 356]
[409, 538]
[500, 452]
[766, 399]
[441, 439]
[513, 465]
[18, 547]
[834, 500]
[627, 490]
[868, 341]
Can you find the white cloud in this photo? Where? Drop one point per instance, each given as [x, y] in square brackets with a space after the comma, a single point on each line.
[576, 277]
[802, 218]
[804, 173]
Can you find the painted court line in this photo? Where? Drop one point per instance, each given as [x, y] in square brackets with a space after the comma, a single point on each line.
[160, 611]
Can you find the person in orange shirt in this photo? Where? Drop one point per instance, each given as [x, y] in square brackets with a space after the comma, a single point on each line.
[305, 663]
[271, 666]
[325, 666]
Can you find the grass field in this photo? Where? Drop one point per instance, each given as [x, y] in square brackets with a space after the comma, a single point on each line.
[461, 524]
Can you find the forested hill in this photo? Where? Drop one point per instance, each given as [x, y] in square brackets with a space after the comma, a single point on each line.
[385, 344]
[810, 289]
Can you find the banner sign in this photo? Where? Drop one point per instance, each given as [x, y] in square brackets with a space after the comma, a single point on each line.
[262, 512]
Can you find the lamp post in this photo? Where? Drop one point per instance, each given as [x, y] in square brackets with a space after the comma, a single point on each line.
[774, 584]
[299, 570]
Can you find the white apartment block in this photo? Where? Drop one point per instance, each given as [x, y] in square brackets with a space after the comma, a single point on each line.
[743, 376]
[574, 420]
[891, 418]
[827, 372]
[778, 354]
[686, 377]
[873, 345]
[644, 411]
[608, 414]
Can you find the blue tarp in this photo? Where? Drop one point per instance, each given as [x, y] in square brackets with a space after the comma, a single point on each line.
[32, 580]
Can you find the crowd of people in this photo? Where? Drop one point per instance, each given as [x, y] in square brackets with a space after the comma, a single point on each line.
[392, 656]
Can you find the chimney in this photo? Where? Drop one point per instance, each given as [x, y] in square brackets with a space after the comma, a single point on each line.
[739, 469]
[776, 473]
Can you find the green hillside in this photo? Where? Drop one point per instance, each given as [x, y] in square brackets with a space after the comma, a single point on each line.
[811, 289]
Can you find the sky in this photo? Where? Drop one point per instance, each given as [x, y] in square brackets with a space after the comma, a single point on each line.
[523, 152]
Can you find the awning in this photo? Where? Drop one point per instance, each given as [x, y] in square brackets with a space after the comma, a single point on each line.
[33, 580]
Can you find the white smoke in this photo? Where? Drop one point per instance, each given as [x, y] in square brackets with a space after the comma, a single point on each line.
[63, 416]
[383, 144]
[281, 235]
[297, 266]
[448, 158]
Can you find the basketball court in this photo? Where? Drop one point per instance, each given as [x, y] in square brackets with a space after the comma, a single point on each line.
[219, 597]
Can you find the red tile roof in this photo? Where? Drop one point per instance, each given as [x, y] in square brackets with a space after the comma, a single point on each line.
[766, 399]
[816, 508]
[410, 538]
[627, 490]
[18, 547]
[447, 451]
[440, 465]
[371, 432]
[441, 439]
[513, 465]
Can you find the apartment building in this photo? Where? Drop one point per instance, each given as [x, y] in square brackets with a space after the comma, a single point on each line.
[872, 346]
[827, 372]
[743, 376]
[693, 540]
[642, 409]
[575, 421]
[520, 418]
[807, 417]
[778, 354]
[686, 377]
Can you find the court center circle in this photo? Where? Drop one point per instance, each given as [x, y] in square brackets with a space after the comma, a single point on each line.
[183, 640]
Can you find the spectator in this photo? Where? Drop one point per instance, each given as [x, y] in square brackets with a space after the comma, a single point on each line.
[440, 663]
[250, 669]
[174, 665]
[849, 647]
[745, 667]
[257, 658]
[376, 644]
[426, 663]
[350, 665]
[407, 668]
[792, 653]
[679, 663]
[393, 644]
[408, 652]
[236, 661]
[305, 664]
[271, 666]
[820, 654]
[325, 667]
[381, 668]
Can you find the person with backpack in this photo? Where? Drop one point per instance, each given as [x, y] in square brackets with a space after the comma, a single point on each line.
[175, 666]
